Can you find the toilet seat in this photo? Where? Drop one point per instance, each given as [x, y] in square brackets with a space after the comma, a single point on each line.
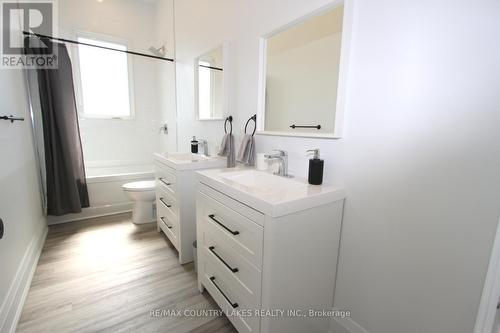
[141, 186]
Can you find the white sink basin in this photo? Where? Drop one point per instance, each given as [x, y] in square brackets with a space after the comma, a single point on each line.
[189, 161]
[270, 194]
[262, 182]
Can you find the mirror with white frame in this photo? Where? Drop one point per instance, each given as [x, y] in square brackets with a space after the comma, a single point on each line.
[303, 73]
[209, 84]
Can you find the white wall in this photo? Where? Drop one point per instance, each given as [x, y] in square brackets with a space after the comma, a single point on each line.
[199, 27]
[164, 27]
[111, 142]
[20, 202]
[420, 156]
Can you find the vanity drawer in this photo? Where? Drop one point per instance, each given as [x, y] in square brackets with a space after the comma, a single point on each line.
[230, 297]
[217, 251]
[165, 178]
[242, 209]
[167, 224]
[165, 199]
[241, 235]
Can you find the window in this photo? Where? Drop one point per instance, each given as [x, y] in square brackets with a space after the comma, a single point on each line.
[104, 80]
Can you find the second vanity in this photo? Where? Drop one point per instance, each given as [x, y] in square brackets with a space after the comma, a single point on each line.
[175, 197]
[268, 248]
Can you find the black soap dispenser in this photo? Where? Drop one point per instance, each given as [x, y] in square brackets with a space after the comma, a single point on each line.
[194, 145]
[315, 168]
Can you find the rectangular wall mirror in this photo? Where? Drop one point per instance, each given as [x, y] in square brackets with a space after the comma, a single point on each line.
[210, 92]
[303, 74]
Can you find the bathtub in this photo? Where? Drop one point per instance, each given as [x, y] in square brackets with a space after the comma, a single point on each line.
[105, 191]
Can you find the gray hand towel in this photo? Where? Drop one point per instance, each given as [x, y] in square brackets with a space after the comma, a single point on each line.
[224, 146]
[246, 154]
[227, 149]
[231, 156]
[251, 152]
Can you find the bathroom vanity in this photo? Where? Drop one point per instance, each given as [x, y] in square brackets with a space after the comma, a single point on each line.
[175, 197]
[268, 244]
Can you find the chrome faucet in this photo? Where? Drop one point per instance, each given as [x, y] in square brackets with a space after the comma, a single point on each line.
[282, 157]
[204, 144]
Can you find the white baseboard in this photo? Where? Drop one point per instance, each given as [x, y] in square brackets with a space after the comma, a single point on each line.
[18, 291]
[92, 212]
[345, 325]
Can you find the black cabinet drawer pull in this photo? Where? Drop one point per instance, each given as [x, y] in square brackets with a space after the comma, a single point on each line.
[166, 204]
[212, 216]
[212, 249]
[164, 182]
[163, 220]
[234, 305]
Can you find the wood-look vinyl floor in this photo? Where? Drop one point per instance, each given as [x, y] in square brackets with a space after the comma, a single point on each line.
[108, 275]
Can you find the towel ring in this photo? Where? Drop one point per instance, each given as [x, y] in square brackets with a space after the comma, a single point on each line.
[254, 118]
[230, 119]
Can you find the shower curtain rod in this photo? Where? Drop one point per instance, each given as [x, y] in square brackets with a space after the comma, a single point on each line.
[64, 40]
[211, 67]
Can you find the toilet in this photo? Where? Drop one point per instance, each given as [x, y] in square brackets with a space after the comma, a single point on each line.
[142, 194]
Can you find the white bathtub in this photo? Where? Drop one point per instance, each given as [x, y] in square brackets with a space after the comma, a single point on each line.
[117, 171]
[105, 191]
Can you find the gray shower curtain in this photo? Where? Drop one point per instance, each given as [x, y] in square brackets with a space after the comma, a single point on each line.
[53, 92]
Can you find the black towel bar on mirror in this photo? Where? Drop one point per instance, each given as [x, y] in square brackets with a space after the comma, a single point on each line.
[254, 118]
[11, 118]
[305, 126]
[230, 119]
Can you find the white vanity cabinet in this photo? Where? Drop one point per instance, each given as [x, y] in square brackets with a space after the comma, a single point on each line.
[175, 197]
[262, 250]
